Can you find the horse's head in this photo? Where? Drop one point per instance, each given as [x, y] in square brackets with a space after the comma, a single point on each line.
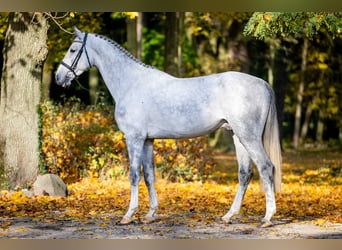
[76, 60]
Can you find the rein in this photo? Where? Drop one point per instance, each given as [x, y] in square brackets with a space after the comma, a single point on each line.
[78, 56]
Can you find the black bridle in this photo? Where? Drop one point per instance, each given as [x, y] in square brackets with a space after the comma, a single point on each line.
[78, 56]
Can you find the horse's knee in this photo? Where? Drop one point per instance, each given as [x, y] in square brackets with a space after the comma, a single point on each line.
[135, 178]
[148, 177]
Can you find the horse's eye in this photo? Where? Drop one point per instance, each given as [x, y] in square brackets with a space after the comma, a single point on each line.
[72, 50]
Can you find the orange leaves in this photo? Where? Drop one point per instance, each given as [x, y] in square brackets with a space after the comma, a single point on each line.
[108, 200]
[267, 17]
[183, 160]
[79, 142]
[313, 167]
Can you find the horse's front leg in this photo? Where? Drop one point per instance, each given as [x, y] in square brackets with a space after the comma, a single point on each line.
[148, 164]
[135, 149]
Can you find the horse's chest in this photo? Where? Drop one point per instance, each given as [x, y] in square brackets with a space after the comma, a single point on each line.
[128, 115]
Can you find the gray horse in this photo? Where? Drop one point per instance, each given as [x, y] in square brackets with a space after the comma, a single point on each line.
[152, 104]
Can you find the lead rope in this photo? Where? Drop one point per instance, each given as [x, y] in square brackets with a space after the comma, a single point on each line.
[80, 85]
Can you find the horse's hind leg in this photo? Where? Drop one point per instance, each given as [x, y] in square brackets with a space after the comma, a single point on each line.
[148, 164]
[265, 167]
[245, 175]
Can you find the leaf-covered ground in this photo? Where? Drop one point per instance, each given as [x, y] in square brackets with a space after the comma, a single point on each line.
[312, 193]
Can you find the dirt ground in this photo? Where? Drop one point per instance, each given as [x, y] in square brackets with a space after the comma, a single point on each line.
[171, 227]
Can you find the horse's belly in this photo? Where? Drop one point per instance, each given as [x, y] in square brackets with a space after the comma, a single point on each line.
[180, 130]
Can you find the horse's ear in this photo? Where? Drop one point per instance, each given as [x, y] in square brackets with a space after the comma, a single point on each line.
[78, 33]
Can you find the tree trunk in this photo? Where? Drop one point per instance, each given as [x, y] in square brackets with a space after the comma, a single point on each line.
[280, 84]
[320, 127]
[139, 35]
[24, 53]
[271, 60]
[298, 115]
[134, 35]
[47, 78]
[238, 59]
[306, 123]
[173, 43]
[307, 117]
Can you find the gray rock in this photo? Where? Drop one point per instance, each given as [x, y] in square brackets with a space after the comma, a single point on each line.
[27, 193]
[52, 184]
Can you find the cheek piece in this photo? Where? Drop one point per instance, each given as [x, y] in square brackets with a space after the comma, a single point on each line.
[73, 66]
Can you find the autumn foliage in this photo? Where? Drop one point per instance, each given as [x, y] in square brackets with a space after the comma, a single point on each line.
[85, 143]
[310, 193]
[79, 141]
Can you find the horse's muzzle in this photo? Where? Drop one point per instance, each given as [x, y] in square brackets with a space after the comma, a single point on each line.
[64, 82]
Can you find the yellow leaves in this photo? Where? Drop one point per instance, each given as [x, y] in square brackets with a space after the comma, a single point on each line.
[323, 66]
[223, 200]
[131, 15]
[17, 195]
[320, 222]
[93, 212]
[105, 201]
[197, 30]
[88, 233]
[13, 208]
[158, 159]
[182, 166]
[6, 224]
[83, 142]
[267, 17]
[78, 143]
[311, 172]
[183, 160]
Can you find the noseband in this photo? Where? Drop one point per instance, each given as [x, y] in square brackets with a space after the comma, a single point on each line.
[78, 56]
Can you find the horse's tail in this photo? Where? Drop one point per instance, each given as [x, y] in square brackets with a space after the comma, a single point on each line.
[271, 142]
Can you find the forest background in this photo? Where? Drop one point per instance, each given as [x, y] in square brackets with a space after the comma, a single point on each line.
[298, 53]
[71, 132]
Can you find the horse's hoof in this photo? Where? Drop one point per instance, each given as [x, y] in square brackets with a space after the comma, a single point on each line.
[147, 220]
[125, 221]
[226, 221]
[266, 224]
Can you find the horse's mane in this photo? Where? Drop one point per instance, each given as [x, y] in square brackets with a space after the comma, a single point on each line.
[123, 50]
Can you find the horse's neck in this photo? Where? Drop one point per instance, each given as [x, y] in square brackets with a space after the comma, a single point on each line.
[119, 71]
